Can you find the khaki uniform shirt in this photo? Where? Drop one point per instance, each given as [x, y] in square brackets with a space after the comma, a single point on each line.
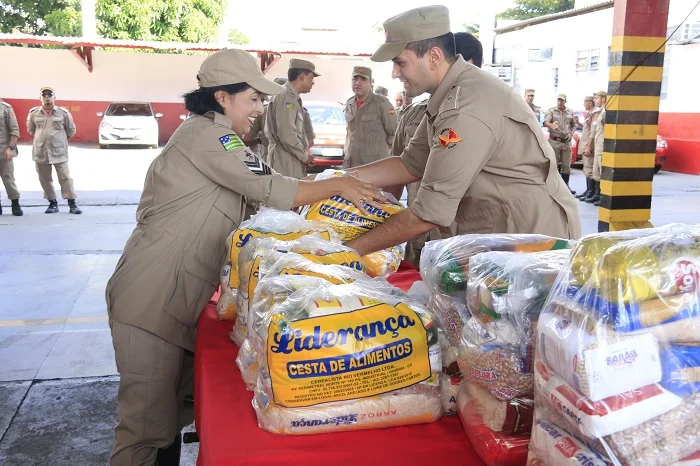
[485, 164]
[51, 134]
[585, 132]
[257, 131]
[370, 130]
[566, 123]
[535, 109]
[8, 126]
[284, 128]
[194, 196]
[308, 130]
[598, 131]
[408, 124]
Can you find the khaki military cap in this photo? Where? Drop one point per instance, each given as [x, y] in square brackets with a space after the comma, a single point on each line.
[601, 94]
[381, 90]
[412, 26]
[280, 81]
[562, 97]
[45, 88]
[529, 92]
[589, 98]
[234, 66]
[299, 64]
[362, 71]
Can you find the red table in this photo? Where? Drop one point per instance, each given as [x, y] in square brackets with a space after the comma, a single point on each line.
[229, 433]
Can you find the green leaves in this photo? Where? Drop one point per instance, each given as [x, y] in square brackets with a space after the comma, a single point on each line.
[526, 9]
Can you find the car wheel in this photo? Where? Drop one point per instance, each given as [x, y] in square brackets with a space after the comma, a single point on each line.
[104, 146]
[657, 168]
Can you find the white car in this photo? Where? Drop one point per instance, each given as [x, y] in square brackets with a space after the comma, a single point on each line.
[129, 124]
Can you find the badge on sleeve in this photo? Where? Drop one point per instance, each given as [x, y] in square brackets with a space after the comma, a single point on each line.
[231, 142]
[290, 105]
[253, 162]
[392, 111]
[449, 138]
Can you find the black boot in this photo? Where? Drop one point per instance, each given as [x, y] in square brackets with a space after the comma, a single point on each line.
[565, 177]
[596, 194]
[170, 456]
[16, 209]
[53, 207]
[72, 208]
[589, 189]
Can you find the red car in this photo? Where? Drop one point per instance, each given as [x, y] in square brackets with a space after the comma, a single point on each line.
[661, 151]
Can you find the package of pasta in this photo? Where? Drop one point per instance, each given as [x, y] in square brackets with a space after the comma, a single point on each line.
[616, 360]
[349, 223]
[271, 223]
[260, 254]
[494, 448]
[444, 263]
[345, 357]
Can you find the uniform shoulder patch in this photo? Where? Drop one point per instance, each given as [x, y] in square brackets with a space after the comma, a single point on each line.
[289, 105]
[253, 162]
[231, 142]
[392, 110]
[449, 138]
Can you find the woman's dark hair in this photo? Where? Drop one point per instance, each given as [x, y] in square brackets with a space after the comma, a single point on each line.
[203, 100]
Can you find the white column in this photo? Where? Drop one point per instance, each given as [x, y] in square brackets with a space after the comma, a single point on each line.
[89, 20]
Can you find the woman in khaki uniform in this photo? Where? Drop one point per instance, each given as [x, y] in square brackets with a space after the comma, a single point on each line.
[194, 195]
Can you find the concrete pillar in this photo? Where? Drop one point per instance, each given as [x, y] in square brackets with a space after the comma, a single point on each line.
[632, 113]
[89, 19]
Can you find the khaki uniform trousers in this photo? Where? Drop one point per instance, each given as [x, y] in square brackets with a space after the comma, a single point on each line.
[46, 179]
[155, 376]
[7, 173]
[562, 154]
[588, 166]
[414, 247]
[597, 166]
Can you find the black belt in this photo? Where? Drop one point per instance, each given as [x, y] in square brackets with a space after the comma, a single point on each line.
[556, 139]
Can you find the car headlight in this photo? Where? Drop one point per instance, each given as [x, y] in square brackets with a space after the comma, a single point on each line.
[662, 144]
[105, 125]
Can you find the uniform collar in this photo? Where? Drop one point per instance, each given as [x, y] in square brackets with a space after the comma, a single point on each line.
[447, 83]
[291, 89]
[219, 119]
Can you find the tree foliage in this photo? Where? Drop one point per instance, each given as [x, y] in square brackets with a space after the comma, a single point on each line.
[237, 37]
[162, 20]
[472, 29]
[526, 9]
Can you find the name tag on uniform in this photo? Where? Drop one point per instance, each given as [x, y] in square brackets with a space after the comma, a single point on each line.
[253, 162]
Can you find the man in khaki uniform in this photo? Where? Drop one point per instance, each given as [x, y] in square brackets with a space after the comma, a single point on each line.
[560, 121]
[52, 127]
[582, 142]
[483, 162]
[595, 145]
[308, 129]
[284, 123]
[530, 99]
[9, 134]
[371, 122]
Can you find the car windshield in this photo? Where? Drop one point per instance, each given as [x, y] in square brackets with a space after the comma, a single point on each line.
[322, 115]
[124, 109]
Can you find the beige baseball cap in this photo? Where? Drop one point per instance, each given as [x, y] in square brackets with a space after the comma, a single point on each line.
[234, 66]
[529, 92]
[45, 88]
[411, 26]
[589, 98]
[381, 90]
[299, 64]
[362, 71]
[562, 97]
[601, 94]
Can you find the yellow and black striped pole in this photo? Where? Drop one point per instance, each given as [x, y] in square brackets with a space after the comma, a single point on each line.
[632, 113]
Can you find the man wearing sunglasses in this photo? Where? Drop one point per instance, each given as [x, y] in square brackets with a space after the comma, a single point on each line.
[52, 127]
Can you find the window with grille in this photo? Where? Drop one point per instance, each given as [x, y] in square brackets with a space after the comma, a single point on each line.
[541, 54]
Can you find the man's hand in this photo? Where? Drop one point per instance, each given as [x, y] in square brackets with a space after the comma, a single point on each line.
[555, 125]
[8, 153]
[310, 160]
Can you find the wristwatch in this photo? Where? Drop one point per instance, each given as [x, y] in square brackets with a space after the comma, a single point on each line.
[13, 147]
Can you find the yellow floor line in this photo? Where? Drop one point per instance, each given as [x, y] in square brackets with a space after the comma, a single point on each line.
[60, 321]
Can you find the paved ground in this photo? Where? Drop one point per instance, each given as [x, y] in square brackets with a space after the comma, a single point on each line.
[57, 373]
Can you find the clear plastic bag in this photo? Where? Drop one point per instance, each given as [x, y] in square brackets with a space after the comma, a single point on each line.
[498, 431]
[349, 223]
[285, 225]
[260, 254]
[617, 356]
[344, 357]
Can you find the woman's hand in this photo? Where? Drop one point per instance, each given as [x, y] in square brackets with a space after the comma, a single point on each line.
[359, 192]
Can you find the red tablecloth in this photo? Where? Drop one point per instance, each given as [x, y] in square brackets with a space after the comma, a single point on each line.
[229, 433]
